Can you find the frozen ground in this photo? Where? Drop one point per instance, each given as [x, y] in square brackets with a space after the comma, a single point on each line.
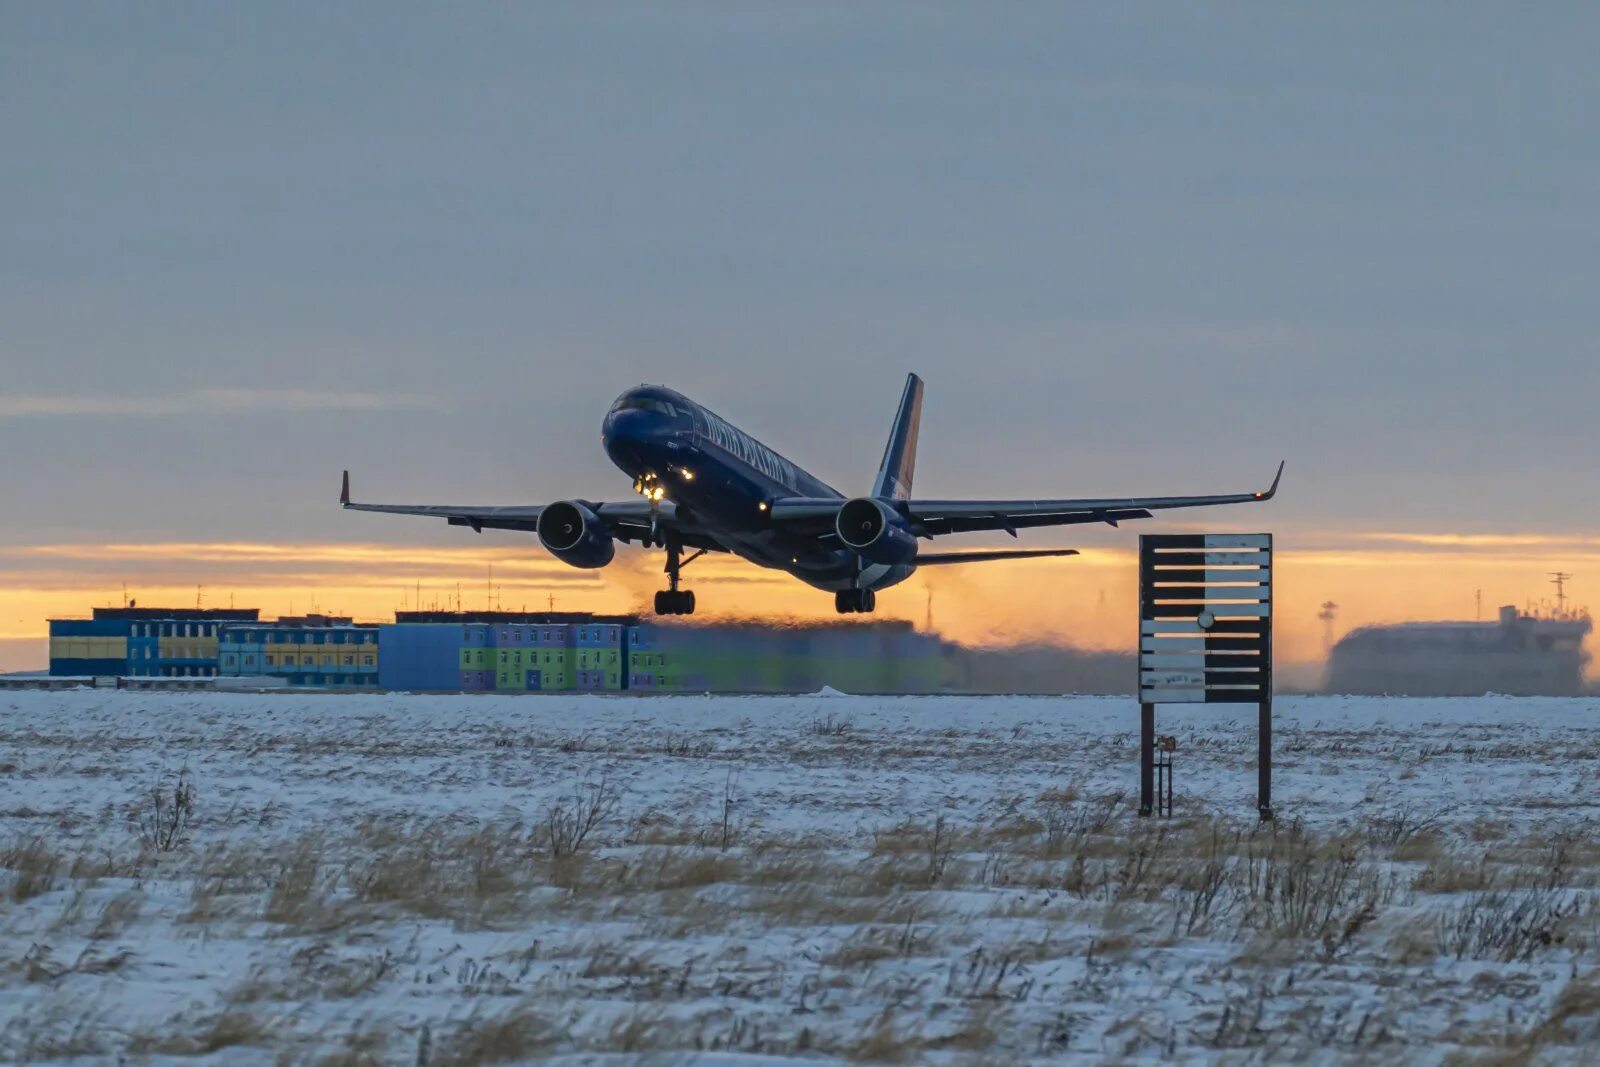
[454, 880]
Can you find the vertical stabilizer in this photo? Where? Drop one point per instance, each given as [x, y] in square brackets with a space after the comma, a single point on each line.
[900, 455]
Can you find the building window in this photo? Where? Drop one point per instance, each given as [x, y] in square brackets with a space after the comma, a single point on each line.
[366, 661]
[349, 661]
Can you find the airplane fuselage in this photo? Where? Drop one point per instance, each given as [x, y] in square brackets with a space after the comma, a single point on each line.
[723, 481]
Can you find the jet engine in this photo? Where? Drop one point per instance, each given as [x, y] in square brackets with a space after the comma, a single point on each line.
[874, 532]
[575, 535]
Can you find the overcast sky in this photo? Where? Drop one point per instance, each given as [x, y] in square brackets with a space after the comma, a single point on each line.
[1132, 249]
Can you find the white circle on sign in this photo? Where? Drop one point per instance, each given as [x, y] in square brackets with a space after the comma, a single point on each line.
[1205, 619]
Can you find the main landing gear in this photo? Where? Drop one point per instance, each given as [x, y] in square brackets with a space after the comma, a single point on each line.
[672, 600]
[854, 601]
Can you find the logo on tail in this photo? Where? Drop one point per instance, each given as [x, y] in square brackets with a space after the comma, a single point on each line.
[900, 455]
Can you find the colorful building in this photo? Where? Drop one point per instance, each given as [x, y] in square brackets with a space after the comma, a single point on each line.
[884, 656]
[504, 652]
[507, 652]
[140, 642]
[311, 650]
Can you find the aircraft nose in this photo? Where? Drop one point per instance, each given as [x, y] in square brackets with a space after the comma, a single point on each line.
[625, 427]
[624, 432]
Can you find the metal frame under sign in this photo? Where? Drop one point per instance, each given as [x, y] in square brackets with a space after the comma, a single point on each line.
[1205, 636]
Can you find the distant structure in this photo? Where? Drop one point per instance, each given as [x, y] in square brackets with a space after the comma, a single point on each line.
[505, 651]
[518, 652]
[1329, 612]
[142, 642]
[1559, 579]
[294, 650]
[1520, 654]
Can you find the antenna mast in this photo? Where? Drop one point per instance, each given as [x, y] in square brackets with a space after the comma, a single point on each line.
[1559, 579]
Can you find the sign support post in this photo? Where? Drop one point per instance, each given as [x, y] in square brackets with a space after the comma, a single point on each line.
[1205, 637]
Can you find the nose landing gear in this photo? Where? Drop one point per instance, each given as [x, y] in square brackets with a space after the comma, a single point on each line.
[672, 600]
[854, 601]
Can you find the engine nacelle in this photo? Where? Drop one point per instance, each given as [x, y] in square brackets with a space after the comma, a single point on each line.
[575, 535]
[874, 532]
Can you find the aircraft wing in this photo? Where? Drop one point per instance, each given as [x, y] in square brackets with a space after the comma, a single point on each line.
[629, 520]
[932, 518]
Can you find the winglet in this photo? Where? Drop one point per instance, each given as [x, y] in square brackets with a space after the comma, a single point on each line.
[344, 491]
[1273, 491]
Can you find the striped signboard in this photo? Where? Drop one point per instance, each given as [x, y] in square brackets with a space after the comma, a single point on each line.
[1205, 618]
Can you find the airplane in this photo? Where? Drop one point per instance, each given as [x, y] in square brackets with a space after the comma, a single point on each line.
[708, 486]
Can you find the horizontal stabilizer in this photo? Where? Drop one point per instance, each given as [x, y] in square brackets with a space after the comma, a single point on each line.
[933, 559]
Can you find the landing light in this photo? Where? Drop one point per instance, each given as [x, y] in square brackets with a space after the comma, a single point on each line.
[762, 506]
[688, 475]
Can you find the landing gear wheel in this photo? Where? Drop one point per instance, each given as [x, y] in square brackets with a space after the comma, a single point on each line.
[672, 600]
[854, 601]
[675, 602]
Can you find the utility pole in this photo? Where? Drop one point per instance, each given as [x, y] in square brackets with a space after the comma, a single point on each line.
[1477, 606]
[1329, 612]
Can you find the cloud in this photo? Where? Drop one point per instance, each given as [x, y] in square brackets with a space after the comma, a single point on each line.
[203, 402]
[1457, 540]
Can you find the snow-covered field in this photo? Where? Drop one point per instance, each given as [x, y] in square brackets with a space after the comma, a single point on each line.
[453, 880]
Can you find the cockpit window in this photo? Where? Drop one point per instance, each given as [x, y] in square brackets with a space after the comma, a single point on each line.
[644, 403]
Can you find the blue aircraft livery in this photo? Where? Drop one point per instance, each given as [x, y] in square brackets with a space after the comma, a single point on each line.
[704, 485]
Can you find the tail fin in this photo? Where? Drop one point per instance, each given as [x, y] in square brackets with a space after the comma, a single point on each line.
[900, 455]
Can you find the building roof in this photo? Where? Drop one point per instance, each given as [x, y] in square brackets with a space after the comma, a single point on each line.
[495, 617]
[180, 614]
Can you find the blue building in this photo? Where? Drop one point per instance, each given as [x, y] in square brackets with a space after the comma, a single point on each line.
[311, 650]
[140, 642]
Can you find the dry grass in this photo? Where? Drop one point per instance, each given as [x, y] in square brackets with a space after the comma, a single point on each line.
[993, 933]
[33, 865]
[516, 1036]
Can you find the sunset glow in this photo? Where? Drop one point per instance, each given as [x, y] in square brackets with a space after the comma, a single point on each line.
[1087, 600]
